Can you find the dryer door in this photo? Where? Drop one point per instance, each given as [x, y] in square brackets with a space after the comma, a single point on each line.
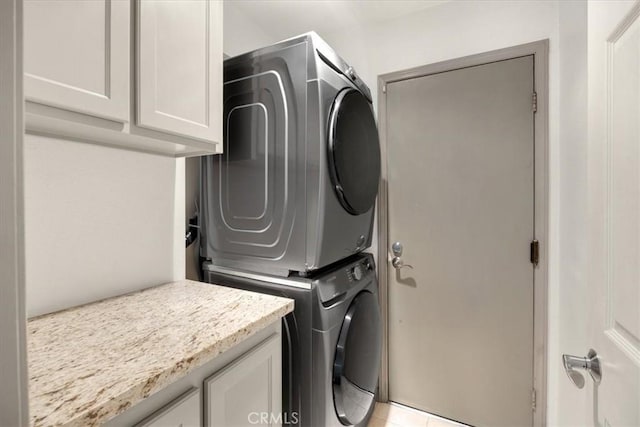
[357, 360]
[354, 152]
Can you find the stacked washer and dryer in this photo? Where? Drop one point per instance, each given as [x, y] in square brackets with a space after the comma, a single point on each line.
[288, 209]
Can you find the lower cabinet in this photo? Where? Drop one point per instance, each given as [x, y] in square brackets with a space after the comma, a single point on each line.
[240, 387]
[182, 412]
[247, 392]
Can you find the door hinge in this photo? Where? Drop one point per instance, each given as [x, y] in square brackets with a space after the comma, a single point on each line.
[535, 252]
[384, 88]
[534, 102]
[533, 399]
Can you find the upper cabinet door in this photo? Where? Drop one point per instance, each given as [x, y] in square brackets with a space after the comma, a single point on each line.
[76, 55]
[179, 67]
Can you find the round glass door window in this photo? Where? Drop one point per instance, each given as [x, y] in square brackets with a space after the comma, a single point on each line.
[357, 360]
[354, 152]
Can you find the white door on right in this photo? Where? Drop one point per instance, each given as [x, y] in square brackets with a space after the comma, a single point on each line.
[614, 208]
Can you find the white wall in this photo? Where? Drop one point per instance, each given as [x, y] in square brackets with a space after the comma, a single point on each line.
[99, 222]
[569, 305]
[241, 34]
[462, 28]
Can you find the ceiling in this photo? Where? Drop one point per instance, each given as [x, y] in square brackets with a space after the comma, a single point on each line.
[285, 18]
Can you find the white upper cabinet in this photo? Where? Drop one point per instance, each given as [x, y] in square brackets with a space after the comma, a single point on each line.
[144, 75]
[76, 55]
[179, 67]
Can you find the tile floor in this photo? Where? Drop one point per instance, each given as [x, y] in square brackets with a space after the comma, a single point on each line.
[394, 415]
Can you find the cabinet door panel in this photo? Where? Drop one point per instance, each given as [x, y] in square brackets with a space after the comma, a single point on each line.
[249, 391]
[179, 67]
[182, 412]
[76, 55]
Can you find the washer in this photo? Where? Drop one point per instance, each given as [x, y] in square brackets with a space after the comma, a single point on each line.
[296, 186]
[331, 341]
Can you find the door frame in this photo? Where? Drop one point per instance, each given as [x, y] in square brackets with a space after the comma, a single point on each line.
[13, 357]
[540, 51]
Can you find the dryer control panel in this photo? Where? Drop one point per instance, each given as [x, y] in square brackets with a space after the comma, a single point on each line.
[332, 284]
[358, 271]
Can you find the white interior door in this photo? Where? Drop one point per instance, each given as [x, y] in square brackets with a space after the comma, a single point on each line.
[614, 173]
[461, 201]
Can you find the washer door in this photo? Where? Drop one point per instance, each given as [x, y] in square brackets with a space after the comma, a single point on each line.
[357, 360]
[354, 152]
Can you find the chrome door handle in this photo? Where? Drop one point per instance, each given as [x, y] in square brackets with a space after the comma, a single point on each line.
[591, 364]
[396, 261]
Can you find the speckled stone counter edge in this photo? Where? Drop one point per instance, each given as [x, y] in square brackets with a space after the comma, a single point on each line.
[247, 321]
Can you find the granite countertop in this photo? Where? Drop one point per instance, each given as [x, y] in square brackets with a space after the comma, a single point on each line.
[90, 363]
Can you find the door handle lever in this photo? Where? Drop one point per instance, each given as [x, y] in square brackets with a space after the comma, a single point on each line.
[591, 364]
[397, 263]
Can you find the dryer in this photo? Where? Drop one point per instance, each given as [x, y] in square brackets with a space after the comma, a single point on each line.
[331, 342]
[296, 186]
